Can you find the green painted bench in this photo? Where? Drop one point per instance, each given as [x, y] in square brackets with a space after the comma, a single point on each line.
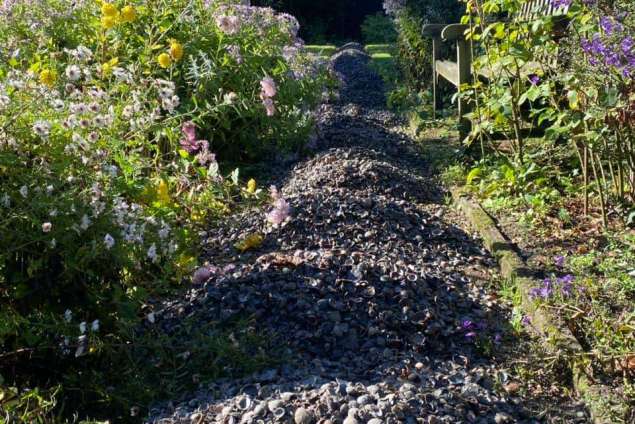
[460, 71]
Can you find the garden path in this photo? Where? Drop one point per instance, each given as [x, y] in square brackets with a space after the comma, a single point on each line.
[373, 290]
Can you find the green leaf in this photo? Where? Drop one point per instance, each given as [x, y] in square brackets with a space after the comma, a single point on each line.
[474, 174]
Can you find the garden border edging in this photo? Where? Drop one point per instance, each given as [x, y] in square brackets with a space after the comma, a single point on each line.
[596, 397]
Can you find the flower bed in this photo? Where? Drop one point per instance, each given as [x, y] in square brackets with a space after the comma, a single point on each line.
[113, 120]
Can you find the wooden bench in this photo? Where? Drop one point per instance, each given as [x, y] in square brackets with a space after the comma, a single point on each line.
[461, 72]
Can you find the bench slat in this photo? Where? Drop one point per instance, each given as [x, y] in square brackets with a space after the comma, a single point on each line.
[448, 70]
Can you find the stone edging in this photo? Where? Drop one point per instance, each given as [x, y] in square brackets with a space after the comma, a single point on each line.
[598, 398]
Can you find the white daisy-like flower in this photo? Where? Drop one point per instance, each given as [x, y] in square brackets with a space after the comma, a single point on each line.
[73, 72]
[4, 101]
[58, 105]
[95, 326]
[68, 315]
[42, 128]
[94, 107]
[85, 222]
[152, 252]
[24, 191]
[47, 227]
[82, 327]
[109, 241]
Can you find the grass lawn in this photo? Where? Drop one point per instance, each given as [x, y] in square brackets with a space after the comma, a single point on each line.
[322, 50]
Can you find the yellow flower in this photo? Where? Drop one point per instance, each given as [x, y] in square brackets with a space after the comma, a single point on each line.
[109, 9]
[164, 60]
[108, 21]
[252, 241]
[48, 77]
[106, 69]
[176, 50]
[251, 186]
[128, 14]
[163, 193]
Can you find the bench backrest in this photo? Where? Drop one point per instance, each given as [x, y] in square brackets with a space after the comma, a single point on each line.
[534, 9]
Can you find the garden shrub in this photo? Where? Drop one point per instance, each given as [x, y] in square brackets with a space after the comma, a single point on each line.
[379, 29]
[112, 118]
[585, 99]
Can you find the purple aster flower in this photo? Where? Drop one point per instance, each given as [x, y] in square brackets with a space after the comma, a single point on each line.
[534, 79]
[525, 320]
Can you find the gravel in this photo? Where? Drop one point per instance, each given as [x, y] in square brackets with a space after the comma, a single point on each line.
[372, 287]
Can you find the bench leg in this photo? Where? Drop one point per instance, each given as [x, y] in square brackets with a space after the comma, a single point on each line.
[436, 98]
[464, 60]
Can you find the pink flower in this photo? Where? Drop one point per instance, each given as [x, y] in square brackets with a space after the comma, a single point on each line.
[269, 88]
[189, 141]
[280, 212]
[47, 227]
[203, 274]
[228, 24]
[270, 107]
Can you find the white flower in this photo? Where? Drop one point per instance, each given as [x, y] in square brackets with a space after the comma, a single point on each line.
[73, 72]
[82, 327]
[58, 105]
[47, 227]
[49, 189]
[42, 128]
[4, 101]
[81, 348]
[53, 243]
[151, 318]
[109, 241]
[152, 252]
[230, 98]
[85, 223]
[24, 191]
[68, 315]
[5, 200]
[95, 325]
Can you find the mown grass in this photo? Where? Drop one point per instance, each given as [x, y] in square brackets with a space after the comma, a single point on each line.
[324, 51]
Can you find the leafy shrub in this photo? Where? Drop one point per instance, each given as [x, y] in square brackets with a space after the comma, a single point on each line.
[111, 117]
[378, 29]
[584, 99]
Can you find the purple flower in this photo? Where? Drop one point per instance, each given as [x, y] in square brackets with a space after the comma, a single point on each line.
[627, 45]
[559, 261]
[561, 3]
[534, 79]
[471, 335]
[467, 325]
[497, 338]
[525, 320]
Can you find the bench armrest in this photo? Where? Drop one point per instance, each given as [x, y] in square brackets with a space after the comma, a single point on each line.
[454, 32]
[433, 30]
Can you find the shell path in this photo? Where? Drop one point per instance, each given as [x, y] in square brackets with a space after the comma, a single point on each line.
[366, 289]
